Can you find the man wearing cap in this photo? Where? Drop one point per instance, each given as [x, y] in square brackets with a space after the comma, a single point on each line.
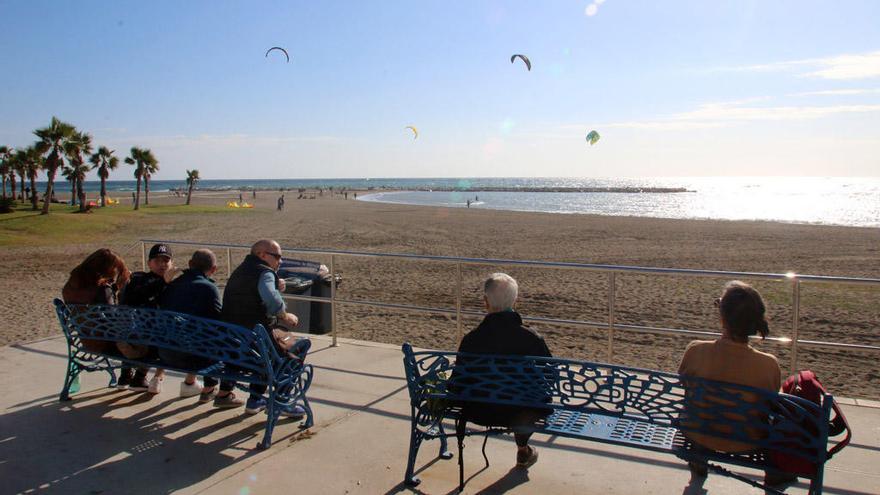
[252, 296]
[143, 291]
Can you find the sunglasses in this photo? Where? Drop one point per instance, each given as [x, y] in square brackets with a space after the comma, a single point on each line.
[274, 255]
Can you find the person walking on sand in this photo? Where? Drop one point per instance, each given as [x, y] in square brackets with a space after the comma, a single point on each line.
[253, 296]
[502, 332]
[468, 203]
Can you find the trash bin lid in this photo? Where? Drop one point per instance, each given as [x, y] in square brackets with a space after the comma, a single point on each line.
[296, 284]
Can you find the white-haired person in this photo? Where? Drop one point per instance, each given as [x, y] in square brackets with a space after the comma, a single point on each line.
[502, 332]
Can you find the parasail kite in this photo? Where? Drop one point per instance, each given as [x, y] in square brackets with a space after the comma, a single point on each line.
[592, 137]
[523, 58]
[415, 131]
[282, 51]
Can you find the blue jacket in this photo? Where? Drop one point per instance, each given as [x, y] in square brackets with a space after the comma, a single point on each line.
[192, 293]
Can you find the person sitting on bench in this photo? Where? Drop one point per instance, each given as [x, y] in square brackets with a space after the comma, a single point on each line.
[731, 359]
[502, 332]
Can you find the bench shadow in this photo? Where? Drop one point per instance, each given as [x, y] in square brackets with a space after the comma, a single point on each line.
[84, 446]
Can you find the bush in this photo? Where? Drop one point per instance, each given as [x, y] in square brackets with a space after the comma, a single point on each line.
[7, 205]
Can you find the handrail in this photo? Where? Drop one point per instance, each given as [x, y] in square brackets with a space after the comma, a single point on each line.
[612, 270]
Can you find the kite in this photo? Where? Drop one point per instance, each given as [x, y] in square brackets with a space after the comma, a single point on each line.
[523, 58]
[282, 51]
[592, 137]
[415, 131]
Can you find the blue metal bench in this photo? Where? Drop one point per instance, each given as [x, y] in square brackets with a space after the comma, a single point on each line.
[240, 354]
[631, 407]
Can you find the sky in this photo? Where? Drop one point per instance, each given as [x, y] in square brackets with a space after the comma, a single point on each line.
[675, 88]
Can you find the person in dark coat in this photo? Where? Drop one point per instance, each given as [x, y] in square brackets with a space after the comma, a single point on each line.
[253, 295]
[502, 332]
[195, 293]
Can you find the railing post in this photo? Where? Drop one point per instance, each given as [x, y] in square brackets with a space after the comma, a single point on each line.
[228, 263]
[333, 319]
[458, 288]
[144, 255]
[612, 292]
[795, 321]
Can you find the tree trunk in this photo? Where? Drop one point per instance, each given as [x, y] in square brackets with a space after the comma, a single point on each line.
[146, 189]
[80, 193]
[50, 182]
[33, 178]
[12, 184]
[21, 187]
[137, 196]
[72, 192]
[103, 191]
[189, 193]
[4, 186]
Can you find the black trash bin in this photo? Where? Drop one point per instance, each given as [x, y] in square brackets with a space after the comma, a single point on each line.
[300, 286]
[321, 320]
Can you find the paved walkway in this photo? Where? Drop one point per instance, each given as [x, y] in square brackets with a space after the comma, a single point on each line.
[107, 441]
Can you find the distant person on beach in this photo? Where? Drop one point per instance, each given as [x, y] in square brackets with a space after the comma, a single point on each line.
[132, 197]
[96, 281]
[502, 332]
[240, 200]
[355, 195]
[144, 291]
[195, 293]
[731, 359]
[254, 194]
[252, 296]
[468, 203]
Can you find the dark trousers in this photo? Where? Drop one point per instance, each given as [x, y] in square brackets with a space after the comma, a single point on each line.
[225, 385]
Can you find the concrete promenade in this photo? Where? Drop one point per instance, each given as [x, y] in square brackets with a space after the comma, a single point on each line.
[107, 441]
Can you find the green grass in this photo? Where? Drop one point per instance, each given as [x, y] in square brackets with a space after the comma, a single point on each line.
[64, 225]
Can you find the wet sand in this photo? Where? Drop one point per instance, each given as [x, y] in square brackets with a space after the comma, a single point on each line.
[32, 276]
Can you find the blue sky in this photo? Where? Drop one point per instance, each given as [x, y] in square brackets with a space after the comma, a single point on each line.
[676, 88]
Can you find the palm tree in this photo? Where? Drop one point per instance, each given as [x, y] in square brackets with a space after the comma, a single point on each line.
[68, 173]
[81, 143]
[192, 178]
[33, 165]
[10, 172]
[143, 160]
[53, 139]
[5, 154]
[21, 169]
[104, 161]
[151, 168]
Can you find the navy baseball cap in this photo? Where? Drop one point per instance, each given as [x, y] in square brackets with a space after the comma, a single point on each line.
[160, 250]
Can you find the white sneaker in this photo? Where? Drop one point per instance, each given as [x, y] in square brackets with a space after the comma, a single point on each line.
[190, 390]
[156, 385]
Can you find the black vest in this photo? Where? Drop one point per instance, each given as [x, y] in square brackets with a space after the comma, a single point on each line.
[241, 298]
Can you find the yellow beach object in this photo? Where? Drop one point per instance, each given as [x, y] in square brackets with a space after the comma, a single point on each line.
[233, 204]
[246, 205]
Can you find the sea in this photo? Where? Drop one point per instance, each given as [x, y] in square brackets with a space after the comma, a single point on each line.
[848, 201]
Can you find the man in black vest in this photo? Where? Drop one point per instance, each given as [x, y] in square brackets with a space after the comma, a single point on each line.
[502, 332]
[253, 295]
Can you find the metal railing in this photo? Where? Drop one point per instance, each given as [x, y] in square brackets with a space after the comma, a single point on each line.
[611, 270]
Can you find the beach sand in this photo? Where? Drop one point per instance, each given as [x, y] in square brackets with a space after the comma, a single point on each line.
[32, 276]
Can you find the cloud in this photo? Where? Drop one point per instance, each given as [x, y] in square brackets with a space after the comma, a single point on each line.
[220, 140]
[838, 92]
[839, 67]
[723, 114]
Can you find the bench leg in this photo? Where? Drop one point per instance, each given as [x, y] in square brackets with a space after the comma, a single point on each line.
[415, 441]
[460, 430]
[271, 417]
[444, 447]
[70, 378]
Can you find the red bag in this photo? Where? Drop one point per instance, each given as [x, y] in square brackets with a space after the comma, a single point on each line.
[806, 385]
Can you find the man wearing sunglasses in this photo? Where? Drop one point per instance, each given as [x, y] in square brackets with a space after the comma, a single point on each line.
[253, 295]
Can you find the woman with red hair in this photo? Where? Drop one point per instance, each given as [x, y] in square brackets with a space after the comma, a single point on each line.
[96, 280]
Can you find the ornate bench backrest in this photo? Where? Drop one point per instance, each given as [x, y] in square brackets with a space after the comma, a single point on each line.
[773, 421]
[249, 349]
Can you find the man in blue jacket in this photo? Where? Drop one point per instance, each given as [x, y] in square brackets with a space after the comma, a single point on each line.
[195, 293]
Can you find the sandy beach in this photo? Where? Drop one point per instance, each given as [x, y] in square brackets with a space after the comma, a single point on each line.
[32, 276]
